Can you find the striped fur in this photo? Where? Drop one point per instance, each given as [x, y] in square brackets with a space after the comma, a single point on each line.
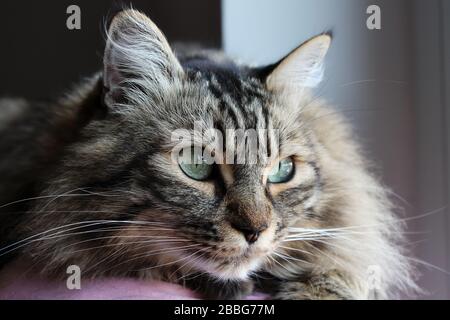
[111, 201]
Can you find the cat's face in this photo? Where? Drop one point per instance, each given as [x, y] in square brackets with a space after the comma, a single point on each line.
[145, 204]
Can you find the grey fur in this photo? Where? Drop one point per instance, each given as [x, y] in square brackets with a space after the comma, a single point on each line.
[109, 182]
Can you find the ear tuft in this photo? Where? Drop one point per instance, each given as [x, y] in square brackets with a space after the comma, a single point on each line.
[137, 54]
[303, 67]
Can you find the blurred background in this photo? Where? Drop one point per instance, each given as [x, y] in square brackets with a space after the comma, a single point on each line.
[393, 83]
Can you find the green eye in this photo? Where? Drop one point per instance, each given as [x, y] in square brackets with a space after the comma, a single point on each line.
[193, 165]
[282, 171]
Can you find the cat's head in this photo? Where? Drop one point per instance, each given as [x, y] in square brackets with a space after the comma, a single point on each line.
[126, 196]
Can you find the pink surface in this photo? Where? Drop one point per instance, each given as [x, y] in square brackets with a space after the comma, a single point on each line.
[17, 283]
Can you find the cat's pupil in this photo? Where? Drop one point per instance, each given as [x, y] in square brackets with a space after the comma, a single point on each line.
[283, 171]
[194, 165]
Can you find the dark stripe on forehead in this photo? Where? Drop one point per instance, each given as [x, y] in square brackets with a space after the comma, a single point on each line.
[236, 112]
[206, 64]
[225, 77]
[242, 99]
[228, 115]
[270, 138]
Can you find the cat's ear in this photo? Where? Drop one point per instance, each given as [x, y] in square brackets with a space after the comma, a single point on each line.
[137, 55]
[303, 67]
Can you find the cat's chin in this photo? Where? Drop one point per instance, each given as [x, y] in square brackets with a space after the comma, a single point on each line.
[240, 272]
[241, 265]
[236, 269]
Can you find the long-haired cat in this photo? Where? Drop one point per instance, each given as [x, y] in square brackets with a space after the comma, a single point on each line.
[90, 179]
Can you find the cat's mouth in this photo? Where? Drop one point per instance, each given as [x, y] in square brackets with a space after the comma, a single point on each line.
[239, 258]
[235, 264]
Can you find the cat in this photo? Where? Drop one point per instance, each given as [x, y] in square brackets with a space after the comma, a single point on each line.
[89, 179]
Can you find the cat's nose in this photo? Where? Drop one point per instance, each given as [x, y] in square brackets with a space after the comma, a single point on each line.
[251, 234]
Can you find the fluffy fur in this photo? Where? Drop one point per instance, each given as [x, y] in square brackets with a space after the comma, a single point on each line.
[94, 185]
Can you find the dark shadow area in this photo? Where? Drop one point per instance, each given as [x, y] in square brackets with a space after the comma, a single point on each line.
[40, 57]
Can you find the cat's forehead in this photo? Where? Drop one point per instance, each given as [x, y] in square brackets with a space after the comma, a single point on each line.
[225, 78]
[220, 94]
[240, 99]
[226, 97]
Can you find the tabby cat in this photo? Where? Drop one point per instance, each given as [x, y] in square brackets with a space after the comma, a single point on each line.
[90, 180]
